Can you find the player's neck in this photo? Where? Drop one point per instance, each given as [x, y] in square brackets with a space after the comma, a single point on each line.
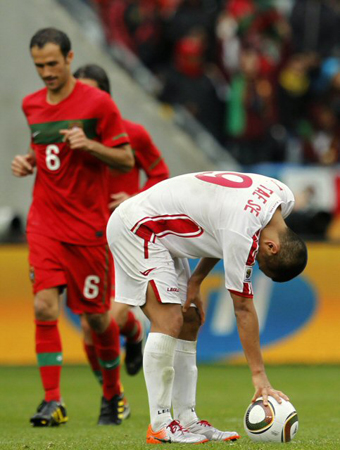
[55, 97]
[275, 225]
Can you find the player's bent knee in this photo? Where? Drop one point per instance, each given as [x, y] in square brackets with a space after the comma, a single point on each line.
[192, 318]
[191, 325]
[98, 322]
[45, 307]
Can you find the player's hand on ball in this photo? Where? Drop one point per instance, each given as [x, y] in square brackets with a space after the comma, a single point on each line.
[264, 389]
[23, 165]
[76, 139]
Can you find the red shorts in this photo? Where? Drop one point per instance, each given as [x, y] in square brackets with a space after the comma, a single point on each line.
[86, 271]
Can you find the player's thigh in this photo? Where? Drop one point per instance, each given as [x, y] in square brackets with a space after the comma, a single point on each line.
[139, 264]
[88, 274]
[166, 318]
[46, 268]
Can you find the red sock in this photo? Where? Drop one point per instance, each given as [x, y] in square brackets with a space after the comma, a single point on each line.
[91, 354]
[132, 329]
[49, 354]
[108, 351]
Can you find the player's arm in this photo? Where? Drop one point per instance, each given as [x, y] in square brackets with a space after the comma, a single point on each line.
[155, 172]
[151, 161]
[23, 165]
[248, 329]
[148, 159]
[202, 269]
[119, 157]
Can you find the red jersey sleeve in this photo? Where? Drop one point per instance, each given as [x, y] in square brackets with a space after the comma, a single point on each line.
[150, 160]
[110, 126]
[24, 110]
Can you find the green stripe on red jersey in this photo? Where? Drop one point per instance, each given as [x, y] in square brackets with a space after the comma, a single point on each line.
[119, 136]
[155, 163]
[49, 132]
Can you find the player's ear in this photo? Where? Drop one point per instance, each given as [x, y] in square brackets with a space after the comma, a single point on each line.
[272, 246]
[70, 56]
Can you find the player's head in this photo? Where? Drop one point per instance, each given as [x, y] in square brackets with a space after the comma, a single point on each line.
[52, 55]
[93, 75]
[285, 259]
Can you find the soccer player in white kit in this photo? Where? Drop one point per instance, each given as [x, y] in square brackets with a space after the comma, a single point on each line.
[232, 216]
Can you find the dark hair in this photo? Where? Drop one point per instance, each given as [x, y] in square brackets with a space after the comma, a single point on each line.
[96, 73]
[54, 36]
[291, 260]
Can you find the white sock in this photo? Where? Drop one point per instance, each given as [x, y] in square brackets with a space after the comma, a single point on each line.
[184, 389]
[159, 373]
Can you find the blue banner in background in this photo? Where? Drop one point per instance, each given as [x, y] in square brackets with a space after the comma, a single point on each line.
[283, 309]
[299, 320]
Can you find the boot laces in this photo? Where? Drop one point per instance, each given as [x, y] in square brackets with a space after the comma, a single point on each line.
[205, 423]
[176, 426]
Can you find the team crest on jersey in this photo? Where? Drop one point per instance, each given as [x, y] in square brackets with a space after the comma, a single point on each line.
[32, 274]
[247, 274]
[76, 124]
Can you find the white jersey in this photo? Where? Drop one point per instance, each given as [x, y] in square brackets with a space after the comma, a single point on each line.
[210, 214]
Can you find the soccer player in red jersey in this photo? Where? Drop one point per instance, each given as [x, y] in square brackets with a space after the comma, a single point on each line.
[148, 159]
[76, 133]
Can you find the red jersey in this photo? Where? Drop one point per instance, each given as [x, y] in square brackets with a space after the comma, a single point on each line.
[71, 186]
[147, 159]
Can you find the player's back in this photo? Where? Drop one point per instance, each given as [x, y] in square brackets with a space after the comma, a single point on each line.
[188, 213]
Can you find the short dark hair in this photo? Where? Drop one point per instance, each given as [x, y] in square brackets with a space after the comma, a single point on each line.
[54, 36]
[96, 73]
[291, 260]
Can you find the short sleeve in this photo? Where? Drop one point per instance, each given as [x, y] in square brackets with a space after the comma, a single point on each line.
[110, 125]
[239, 255]
[150, 159]
[25, 107]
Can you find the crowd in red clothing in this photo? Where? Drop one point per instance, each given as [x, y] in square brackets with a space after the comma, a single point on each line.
[263, 76]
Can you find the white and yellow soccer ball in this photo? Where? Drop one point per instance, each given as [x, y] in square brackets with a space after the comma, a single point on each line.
[276, 422]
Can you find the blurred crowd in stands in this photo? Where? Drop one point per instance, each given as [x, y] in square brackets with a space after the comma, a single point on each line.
[263, 76]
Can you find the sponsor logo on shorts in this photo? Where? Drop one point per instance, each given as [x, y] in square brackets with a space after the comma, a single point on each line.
[172, 289]
[146, 272]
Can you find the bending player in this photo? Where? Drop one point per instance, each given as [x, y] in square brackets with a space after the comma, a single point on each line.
[76, 133]
[211, 215]
[148, 159]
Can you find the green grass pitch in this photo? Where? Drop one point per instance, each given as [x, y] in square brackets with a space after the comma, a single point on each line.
[224, 392]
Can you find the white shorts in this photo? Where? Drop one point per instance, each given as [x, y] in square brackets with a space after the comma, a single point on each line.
[133, 271]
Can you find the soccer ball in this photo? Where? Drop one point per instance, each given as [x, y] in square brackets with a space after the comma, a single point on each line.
[277, 422]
